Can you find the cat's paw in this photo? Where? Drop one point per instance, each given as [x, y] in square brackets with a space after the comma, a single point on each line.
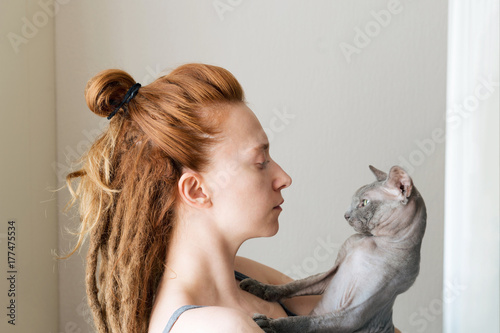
[253, 287]
[264, 323]
[261, 290]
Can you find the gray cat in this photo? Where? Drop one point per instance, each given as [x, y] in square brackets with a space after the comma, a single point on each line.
[373, 266]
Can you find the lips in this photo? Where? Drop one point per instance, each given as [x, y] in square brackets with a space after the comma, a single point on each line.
[278, 206]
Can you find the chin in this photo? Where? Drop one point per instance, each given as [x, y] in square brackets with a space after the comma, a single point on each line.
[266, 229]
[273, 230]
[269, 231]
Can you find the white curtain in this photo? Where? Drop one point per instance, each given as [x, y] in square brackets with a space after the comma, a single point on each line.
[471, 277]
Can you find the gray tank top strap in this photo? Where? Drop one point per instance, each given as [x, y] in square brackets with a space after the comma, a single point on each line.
[176, 315]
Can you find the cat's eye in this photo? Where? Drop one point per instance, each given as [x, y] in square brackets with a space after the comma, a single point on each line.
[365, 202]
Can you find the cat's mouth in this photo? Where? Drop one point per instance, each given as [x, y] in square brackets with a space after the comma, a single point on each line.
[359, 226]
[349, 219]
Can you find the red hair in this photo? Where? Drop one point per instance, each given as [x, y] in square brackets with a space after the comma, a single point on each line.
[128, 182]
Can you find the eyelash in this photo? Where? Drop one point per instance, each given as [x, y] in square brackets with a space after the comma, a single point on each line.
[263, 164]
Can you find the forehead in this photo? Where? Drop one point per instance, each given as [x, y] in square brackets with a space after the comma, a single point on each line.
[374, 191]
[241, 131]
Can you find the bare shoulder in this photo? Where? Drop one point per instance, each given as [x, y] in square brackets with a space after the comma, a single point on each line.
[215, 319]
[260, 272]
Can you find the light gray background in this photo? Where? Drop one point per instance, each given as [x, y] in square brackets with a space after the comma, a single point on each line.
[287, 56]
[385, 106]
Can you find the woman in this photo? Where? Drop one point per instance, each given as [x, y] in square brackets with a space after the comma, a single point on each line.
[169, 192]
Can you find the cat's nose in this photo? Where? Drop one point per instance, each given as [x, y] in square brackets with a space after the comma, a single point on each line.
[347, 216]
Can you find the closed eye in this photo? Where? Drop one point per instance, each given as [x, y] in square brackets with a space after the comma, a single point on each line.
[263, 164]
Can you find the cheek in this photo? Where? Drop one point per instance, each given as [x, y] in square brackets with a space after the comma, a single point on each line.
[242, 191]
[362, 215]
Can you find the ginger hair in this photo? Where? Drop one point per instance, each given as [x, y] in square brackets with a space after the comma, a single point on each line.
[127, 188]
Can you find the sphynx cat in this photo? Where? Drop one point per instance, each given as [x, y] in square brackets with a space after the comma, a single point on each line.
[373, 266]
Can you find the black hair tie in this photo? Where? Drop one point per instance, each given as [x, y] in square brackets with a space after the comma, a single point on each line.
[128, 97]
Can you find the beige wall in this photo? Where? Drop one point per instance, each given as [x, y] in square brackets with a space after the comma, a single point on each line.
[28, 151]
[383, 107]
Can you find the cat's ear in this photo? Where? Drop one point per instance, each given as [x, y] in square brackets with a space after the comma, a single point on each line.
[400, 180]
[378, 173]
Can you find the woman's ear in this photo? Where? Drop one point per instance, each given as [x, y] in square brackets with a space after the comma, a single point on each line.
[193, 191]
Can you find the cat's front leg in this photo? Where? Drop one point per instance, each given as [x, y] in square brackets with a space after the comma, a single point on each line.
[268, 292]
[300, 324]
[342, 321]
[312, 285]
[264, 323]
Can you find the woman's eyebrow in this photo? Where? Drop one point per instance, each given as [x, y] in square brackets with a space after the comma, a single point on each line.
[262, 147]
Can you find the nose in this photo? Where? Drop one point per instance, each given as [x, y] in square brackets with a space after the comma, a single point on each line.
[347, 216]
[282, 180]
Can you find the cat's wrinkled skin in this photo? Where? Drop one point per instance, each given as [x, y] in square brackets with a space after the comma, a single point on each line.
[373, 266]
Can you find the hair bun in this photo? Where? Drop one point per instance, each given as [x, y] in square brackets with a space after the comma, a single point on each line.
[106, 90]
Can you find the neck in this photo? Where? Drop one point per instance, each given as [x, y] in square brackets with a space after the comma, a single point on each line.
[201, 260]
[405, 226]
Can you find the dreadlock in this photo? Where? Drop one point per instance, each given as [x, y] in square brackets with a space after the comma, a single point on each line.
[127, 188]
